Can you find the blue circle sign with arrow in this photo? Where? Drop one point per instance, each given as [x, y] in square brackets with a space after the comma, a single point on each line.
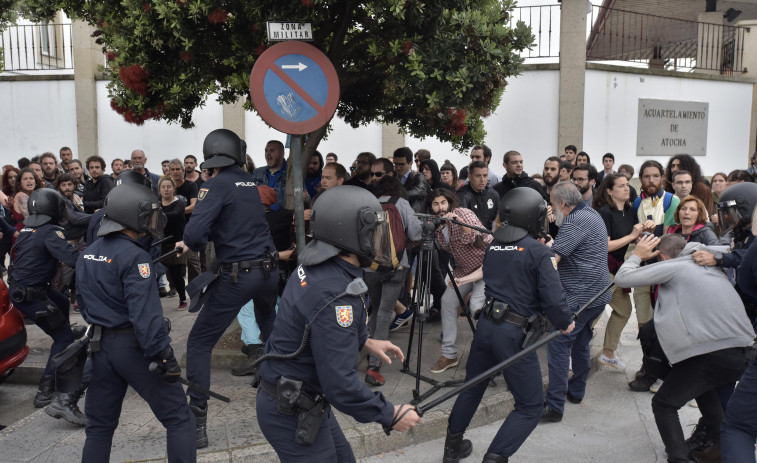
[294, 87]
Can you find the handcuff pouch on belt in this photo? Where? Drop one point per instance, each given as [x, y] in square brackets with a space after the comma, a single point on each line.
[498, 312]
[292, 398]
[267, 265]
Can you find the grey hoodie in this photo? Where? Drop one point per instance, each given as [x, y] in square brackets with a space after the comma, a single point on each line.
[697, 311]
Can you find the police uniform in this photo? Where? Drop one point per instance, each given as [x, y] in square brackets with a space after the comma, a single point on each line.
[229, 213]
[523, 275]
[326, 367]
[35, 262]
[118, 292]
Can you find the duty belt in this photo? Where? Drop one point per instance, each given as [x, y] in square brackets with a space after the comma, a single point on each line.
[498, 312]
[304, 400]
[21, 293]
[244, 266]
[98, 331]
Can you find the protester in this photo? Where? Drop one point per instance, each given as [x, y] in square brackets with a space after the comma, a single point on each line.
[173, 208]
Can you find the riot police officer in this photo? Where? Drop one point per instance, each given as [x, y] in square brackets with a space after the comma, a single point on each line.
[230, 213]
[522, 285]
[39, 247]
[119, 296]
[306, 372]
[126, 176]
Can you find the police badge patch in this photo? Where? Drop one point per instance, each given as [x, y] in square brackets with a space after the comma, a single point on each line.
[144, 270]
[554, 262]
[201, 195]
[60, 234]
[344, 315]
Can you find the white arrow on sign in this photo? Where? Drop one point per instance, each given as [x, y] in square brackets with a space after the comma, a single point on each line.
[299, 66]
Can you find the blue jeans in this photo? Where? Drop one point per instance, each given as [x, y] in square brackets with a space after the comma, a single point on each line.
[738, 431]
[492, 344]
[576, 346]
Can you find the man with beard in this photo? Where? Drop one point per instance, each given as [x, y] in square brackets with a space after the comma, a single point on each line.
[97, 187]
[515, 177]
[584, 177]
[362, 175]
[50, 170]
[551, 175]
[656, 209]
[138, 163]
[191, 173]
[274, 174]
[77, 220]
[66, 155]
[78, 177]
[313, 177]
[117, 165]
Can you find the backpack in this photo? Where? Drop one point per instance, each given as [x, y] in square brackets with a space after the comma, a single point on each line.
[397, 232]
[667, 198]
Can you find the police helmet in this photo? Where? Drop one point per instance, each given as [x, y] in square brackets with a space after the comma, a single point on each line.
[223, 148]
[348, 218]
[45, 205]
[131, 176]
[522, 211]
[736, 206]
[132, 207]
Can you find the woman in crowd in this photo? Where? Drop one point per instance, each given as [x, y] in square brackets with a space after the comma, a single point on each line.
[26, 182]
[9, 181]
[430, 170]
[612, 201]
[173, 208]
[691, 216]
[448, 173]
[719, 182]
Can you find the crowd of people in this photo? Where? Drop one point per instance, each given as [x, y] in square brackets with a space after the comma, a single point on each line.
[580, 227]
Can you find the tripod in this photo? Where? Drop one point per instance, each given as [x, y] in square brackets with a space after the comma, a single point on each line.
[420, 304]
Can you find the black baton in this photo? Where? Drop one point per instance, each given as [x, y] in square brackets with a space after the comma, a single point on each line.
[159, 242]
[154, 366]
[506, 363]
[165, 256]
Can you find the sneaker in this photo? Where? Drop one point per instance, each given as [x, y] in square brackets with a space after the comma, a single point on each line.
[401, 319]
[374, 377]
[612, 362]
[444, 364]
[183, 305]
[76, 307]
[642, 382]
[655, 386]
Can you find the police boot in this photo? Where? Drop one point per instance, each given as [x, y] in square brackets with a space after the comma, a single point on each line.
[65, 406]
[455, 447]
[46, 391]
[201, 420]
[491, 457]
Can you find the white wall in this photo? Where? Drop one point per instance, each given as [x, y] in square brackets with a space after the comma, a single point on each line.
[39, 116]
[611, 117]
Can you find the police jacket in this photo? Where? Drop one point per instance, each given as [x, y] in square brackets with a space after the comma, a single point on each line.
[229, 213]
[338, 332]
[117, 289]
[509, 183]
[37, 252]
[484, 203]
[524, 275]
[77, 221]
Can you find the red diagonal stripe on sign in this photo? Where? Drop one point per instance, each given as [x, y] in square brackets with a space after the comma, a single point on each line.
[299, 90]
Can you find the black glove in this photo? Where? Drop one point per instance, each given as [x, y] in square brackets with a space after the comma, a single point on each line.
[168, 367]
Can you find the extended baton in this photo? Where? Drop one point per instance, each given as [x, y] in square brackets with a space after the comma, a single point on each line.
[506, 363]
[167, 255]
[455, 221]
[159, 242]
[154, 366]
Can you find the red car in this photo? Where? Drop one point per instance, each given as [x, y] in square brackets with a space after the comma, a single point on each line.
[13, 348]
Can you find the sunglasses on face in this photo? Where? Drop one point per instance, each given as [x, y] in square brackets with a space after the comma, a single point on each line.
[377, 174]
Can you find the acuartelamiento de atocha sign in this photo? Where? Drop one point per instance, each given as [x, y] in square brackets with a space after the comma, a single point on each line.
[668, 127]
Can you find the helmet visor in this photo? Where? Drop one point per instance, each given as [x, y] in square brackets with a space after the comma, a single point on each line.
[375, 231]
[728, 216]
[156, 220]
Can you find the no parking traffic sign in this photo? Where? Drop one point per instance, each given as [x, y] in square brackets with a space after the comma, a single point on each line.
[294, 87]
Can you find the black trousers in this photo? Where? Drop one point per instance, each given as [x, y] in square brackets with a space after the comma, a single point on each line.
[694, 378]
[175, 275]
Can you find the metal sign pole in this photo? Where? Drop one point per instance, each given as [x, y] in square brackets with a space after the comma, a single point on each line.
[299, 208]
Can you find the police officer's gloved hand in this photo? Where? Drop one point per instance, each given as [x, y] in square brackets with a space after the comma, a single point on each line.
[168, 367]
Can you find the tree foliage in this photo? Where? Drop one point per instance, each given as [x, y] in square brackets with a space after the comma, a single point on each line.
[434, 67]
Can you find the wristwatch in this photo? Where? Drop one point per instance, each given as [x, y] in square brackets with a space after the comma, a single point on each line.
[718, 259]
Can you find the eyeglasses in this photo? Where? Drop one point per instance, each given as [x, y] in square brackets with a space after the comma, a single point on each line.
[683, 182]
[377, 174]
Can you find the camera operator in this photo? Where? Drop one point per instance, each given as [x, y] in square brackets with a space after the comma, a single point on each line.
[468, 247]
[701, 327]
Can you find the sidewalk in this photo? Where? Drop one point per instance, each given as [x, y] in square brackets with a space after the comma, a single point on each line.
[232, 428]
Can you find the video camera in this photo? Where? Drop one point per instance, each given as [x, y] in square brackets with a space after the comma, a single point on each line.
[429, 223]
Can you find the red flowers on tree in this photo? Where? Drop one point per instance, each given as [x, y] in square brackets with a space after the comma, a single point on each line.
[218, 16]
[134, 77]
[456, 124]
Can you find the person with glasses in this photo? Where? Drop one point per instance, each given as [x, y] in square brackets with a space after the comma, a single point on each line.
[682, 183]
[361, 176]
[379, 168]
[584, 177]
[414, 183]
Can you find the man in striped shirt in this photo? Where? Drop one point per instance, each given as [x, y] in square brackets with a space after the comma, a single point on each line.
[581, 255]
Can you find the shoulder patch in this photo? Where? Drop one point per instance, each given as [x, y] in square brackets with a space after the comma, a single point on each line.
[60, 235]
[344, 315]
[144, 270]
[554, 262]
[202, 193]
